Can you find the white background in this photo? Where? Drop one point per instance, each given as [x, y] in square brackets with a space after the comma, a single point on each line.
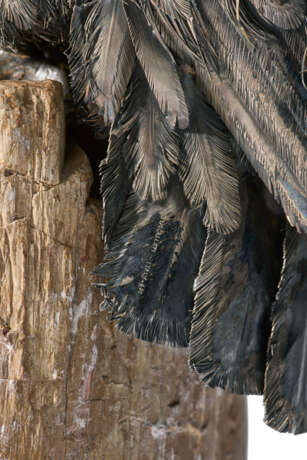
[264, 443]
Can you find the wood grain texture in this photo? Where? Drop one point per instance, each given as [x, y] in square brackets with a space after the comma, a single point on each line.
[71, 385]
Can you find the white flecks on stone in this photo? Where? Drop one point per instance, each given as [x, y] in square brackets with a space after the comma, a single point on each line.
[93, 334]
[159, 431]
[70, 295]
[53, 296]
[220, 392]
[79, 422]
[79, 311]
[57, 318]
[12, 385]
[11, 196]
[5, 343]
[23, 143]
[94, 356]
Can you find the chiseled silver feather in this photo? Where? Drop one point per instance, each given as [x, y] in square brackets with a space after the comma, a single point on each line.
[25, 23]
[287, 14]
[232, 298]
[285, 394]
[111, 54]
[24, 15]
[152, 154]
[209, 170]
[152, 260]
[159, 66]
[270, 128]
[101, 57]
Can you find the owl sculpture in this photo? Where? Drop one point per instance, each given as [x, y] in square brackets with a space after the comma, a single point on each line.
[204, 187]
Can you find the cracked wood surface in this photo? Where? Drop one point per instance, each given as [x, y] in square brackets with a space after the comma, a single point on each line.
[72, 386]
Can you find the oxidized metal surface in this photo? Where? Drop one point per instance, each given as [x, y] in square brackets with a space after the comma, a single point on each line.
[198, 98]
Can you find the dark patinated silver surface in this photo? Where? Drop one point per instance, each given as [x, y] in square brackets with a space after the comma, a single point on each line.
[204, 105]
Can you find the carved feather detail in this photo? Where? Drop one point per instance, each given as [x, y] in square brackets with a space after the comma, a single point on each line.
[209, 171]
[159, 67]
[152, 153]
[103, 65]
[288, 14]
[286, 373]
[153, 259]
[113, 59]
[232, 297]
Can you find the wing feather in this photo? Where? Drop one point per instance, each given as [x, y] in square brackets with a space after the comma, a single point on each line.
[269, 129]
[101, 57]
[152, 261]
[209, 171]
[286, 374]
[152, 155]
[232, 297]
[159, 67]
[289, 14]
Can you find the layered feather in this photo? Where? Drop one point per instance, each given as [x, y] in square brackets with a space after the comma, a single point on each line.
[152, 146]
[151, 265]
[184, 30]
[24, 14]
[286, 374]
[288, 14]
[271, 131]
[159, 67]
[209, 171]
[112, 57]
[114, 184]
[35, 22]
[232, 296]
[101, 57]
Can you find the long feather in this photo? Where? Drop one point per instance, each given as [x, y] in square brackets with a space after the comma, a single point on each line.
[151, 265]
[101, 57]
[159, 67]
[209, 170]
[233, 293]
[114, 183]
[113, 55]
[152, 153]
[185, 32]
[286, 374]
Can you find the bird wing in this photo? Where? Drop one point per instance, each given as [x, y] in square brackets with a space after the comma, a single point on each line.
[263, 106]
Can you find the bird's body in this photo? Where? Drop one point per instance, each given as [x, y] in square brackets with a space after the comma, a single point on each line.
[198, 98]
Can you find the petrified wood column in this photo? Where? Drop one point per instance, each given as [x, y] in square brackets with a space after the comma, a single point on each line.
[71, 386]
